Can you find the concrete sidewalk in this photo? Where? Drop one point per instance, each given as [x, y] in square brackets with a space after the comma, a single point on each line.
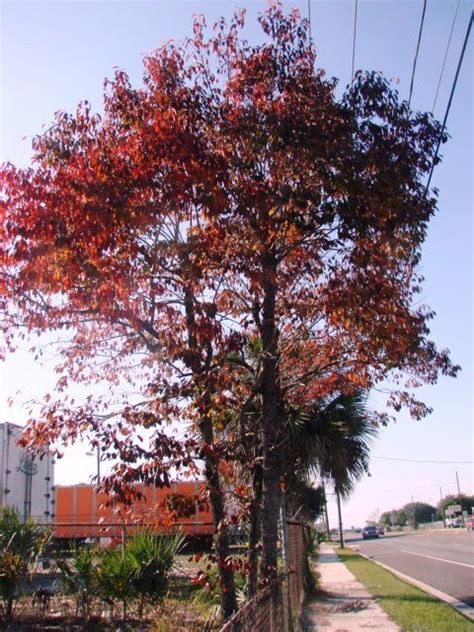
[344, 604]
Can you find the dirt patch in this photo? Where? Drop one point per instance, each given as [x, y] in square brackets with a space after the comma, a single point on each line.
[177, 613]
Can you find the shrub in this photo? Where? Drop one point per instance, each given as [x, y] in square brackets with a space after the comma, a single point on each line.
[140, 572]
[78, 576]
[21, 542]
[115, 578]
[152, 559]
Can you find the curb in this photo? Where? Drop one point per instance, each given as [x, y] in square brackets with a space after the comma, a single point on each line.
[463, 608]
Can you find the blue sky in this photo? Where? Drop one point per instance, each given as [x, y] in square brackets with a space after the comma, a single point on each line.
[54, 54]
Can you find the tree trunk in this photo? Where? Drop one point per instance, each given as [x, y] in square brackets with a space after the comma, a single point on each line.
[339, 514]
[308, 578]
[271, 512]
[255, 531]
[9, 609]
[271, 421]
[211, 466]
[221, 531]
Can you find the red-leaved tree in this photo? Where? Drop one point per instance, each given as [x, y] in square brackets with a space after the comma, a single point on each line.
[318, 216]
[231, 198]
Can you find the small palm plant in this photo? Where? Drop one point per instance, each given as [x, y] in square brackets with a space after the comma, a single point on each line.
[140, 572]
[152, 558]
[115, 573]
[78, 576]
[21, 542]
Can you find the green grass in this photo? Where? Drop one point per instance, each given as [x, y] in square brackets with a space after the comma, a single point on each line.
[413, 609]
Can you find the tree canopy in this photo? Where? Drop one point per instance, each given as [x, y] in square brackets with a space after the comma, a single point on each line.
[419, 512]
[413, 513]
[231, 198]
[465, 500]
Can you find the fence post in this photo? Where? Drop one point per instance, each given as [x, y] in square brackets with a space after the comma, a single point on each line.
[284, 528]
[124, 534]
[286, 605]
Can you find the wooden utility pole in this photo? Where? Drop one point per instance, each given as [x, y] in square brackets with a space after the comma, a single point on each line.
[326, 516]
[441, 507]
[460, 499]
[339, 513]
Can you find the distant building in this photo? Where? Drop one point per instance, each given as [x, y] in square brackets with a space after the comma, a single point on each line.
[26, 481]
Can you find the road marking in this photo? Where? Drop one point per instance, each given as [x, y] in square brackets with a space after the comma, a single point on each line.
[440, 559]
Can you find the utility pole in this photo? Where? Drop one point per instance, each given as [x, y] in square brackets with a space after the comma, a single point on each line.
[460, 500]
[441, 506]
[339, 513]
[326, 516]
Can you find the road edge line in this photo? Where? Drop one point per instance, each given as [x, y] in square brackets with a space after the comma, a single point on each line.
[461, 607]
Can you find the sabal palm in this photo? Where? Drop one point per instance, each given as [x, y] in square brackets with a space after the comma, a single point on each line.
[21, 542]
[332, 439]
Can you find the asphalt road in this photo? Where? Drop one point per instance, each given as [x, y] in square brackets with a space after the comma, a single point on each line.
[441, 559]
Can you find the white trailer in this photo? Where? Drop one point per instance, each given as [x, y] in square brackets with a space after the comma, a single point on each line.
[26, 481]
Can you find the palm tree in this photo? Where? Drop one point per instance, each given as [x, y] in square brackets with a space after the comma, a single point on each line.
[342, 433]
[332, 440]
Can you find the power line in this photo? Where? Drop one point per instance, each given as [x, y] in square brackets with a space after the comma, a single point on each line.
[453, 88]
[354, 40]
[417, 51]
[445, 55]
[392, 458]
[309, 20]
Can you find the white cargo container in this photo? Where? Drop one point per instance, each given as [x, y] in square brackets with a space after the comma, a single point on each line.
[26, 481]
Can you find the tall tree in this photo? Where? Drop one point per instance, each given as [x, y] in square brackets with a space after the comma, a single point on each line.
[104, 255]
[419, 512]
[232, 196]
[326, 201]
[339, 434]
[345, 433]
[386, 518]
[466, 502]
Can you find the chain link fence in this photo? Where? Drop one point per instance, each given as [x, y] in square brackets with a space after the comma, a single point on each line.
[297, 559]
[277, 607]
[266, 612]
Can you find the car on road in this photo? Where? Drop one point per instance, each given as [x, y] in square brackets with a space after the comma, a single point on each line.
[470, 523]
[454, 523]
[381, 530]
[370, 531]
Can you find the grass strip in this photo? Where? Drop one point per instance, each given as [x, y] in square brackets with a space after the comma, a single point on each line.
[411, 608]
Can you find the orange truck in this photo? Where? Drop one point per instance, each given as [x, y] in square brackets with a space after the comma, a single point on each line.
[82, 512]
